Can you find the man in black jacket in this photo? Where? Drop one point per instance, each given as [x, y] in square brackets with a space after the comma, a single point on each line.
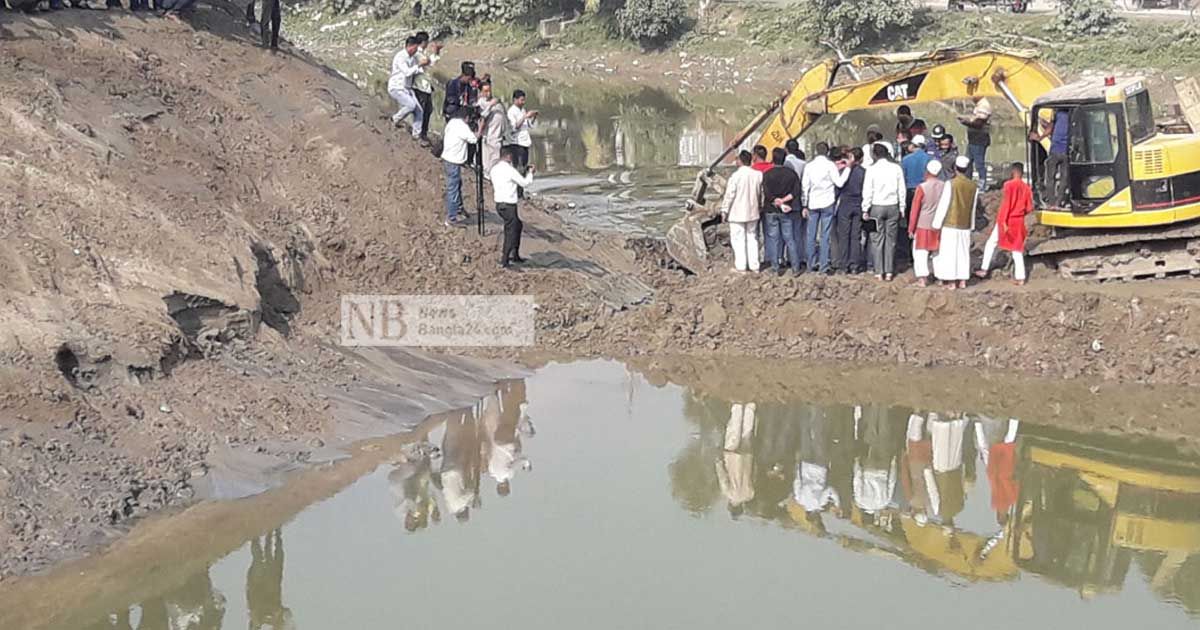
[780, 206]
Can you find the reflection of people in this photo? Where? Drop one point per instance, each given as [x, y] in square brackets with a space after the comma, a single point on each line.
[735, 468]
[264, 583]
[504, 419]
[946, 438]
[409, 480]
[917, 469]
[194, 605]
[875, 471]
[459, 476]
[997, 442]
[811, 488]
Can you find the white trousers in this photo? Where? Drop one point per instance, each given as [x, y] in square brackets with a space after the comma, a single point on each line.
[947, 438]
[743, 236]
[409, 104]
[989, 250]
[920, 262]
[740, 428]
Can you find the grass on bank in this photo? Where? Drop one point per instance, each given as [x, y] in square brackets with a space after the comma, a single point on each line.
[1166, 45]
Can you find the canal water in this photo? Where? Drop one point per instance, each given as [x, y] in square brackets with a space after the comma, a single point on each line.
[624, 156]
[586, 498]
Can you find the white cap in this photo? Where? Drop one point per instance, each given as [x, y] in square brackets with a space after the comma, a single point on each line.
[934, 168]
[919, 140]
[962, 162]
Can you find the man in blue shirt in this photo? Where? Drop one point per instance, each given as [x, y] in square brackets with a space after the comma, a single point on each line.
[913, 164]
[1056, 179]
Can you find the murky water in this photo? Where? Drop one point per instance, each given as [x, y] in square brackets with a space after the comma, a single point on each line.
[626, 156]
[586, 498]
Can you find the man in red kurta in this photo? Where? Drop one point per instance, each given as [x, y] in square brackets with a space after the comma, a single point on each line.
[1016, 201]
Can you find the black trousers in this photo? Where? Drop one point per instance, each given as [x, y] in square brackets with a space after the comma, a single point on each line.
[426, 101]
[271, 21]
[903, 242]
[847, 237]
[512, 231]
[1057, 179]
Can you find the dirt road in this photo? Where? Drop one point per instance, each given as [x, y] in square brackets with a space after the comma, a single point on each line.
[182, 210]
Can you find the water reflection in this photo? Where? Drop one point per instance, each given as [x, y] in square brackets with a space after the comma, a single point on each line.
[824, 498]
[428, 481]
[894, 482]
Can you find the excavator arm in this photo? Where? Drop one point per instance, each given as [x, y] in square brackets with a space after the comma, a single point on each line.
[906, 79]
[875, 81]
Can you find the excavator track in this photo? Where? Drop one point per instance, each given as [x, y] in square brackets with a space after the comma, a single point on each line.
[1123, 255]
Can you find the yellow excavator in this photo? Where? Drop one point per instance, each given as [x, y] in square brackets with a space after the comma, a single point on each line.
[1134, 185]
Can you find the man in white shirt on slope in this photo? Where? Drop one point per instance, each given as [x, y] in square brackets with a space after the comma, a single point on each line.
[520, 121]
[506, 181]
[455, 140]
[820, 198]
[422, 84]
[884, 194]
[406, 65]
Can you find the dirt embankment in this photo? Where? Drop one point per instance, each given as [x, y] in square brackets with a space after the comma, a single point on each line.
[181, 211]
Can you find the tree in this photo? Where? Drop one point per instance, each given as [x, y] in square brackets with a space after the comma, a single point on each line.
[650, 21]
[852, 23]
[1087, 17]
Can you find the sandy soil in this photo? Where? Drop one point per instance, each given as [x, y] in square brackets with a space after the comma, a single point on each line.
[181, 211]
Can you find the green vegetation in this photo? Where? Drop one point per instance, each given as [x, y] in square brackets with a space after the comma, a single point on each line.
[1087, 17]
[789, 32]
[651, 22]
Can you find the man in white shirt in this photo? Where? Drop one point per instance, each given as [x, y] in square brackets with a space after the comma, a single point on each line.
[455, 140]
[506, 182]
[884, 193]
[820, 198]
[740, 207]
[520, 121]
[422, 84]
[405, 65]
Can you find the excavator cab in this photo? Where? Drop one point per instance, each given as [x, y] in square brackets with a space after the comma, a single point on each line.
[1106, 121]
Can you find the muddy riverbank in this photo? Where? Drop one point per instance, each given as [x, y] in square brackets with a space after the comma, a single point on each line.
[182, 211]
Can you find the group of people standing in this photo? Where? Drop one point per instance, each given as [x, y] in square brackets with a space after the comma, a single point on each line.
[480, 133]
[850, 209]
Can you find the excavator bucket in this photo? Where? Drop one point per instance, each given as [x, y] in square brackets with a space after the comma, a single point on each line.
[685, 243]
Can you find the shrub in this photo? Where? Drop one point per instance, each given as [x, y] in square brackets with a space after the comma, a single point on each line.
[1087, 17]
[851, 23]
[650, 21]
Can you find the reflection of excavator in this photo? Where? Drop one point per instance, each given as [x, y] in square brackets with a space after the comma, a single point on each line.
[1134, 188]
[1085, 514]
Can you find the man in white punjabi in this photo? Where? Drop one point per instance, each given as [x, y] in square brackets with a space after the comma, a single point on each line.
[954, 217]
[740, 207]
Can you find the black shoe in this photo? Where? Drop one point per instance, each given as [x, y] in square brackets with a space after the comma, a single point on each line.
[517, 259]
[778, 270]
[797, 272]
